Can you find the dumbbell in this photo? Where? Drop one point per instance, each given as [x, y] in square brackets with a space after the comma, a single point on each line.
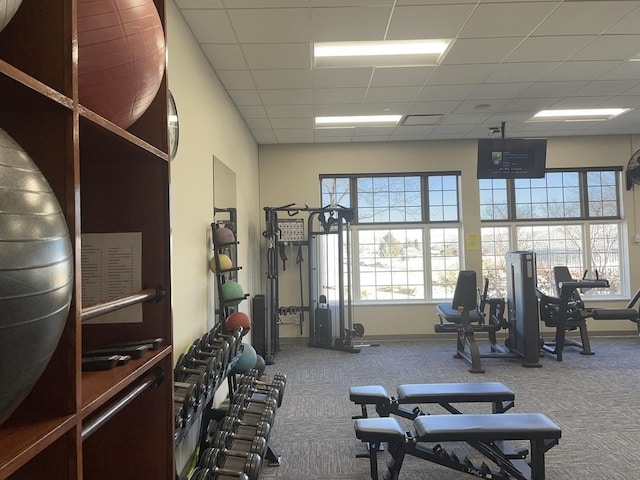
[245, 395]
[248, 417]
[189, 366]
[197, 381]
[238, 444]
[227, 463]
[207, 474]
[209, 343]
[187, 399]
[264, 387]
[235, 425]
[178, 418]
[219, 359]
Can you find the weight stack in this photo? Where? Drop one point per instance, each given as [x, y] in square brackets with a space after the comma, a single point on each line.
[259, 338]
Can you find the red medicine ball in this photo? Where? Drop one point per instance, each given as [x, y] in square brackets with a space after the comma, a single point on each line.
[238, 320]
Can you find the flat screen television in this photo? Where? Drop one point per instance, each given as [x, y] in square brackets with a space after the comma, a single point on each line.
[512, 157]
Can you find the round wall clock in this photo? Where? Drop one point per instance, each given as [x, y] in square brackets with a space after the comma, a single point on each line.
[174, 127]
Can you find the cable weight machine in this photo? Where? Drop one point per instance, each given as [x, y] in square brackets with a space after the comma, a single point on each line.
[328, 273]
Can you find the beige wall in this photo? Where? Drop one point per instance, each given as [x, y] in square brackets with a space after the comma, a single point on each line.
[289, 173]
[210, 126]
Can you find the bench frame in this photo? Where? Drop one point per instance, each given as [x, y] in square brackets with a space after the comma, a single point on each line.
[511, 464]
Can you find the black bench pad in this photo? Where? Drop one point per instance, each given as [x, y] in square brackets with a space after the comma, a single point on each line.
[376, 430]
[455, 392]
[450, 314]
[369, 394]
[485, 428]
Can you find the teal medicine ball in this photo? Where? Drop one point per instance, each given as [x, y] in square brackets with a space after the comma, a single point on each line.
[247, 359]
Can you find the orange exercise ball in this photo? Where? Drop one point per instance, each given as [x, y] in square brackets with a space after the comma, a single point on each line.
[121, 57]
[238, 320]
[224, 261]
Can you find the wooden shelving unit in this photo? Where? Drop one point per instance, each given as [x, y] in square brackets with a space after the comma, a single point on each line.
[92, 425]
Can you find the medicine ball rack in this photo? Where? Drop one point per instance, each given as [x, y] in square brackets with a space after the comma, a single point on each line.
[225, 306]
[328, 274]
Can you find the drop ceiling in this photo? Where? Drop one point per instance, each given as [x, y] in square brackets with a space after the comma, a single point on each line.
[509, 59]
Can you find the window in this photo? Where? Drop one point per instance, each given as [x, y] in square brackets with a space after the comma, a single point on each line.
[405, 234]
[568, 218]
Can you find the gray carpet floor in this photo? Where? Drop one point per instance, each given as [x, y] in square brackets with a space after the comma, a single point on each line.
[594, 399]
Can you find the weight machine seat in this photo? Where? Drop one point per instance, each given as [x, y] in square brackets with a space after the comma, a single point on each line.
[485, 428]
[452, 315]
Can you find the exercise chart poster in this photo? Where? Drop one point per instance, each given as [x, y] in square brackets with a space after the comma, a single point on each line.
[112, 268]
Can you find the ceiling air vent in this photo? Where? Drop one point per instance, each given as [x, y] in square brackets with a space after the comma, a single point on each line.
[422, 119]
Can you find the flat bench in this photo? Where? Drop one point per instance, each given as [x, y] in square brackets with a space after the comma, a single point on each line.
[444, 394]
[485, 433]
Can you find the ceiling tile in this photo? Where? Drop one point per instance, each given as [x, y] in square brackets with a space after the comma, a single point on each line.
[530, 105]
[392, 94]
[210, 26]
[624, 71]
[578, 102]
[280, 79]
[245, 97]
[627, 25]
[490, 19]
[470, 106]
[433, 107]
[498, 90]
[551, 49]
[480, 50]
[606, 88]
[589, 17]
[401, 76]
[414, 130]
[521, 72]
[236, 79]
[224, 56]
[341, 77]
[264, 135]
[258, 123]
[339, 95]
[466, 118]
[338, 109]
[340, 3]
[265, 3]
[429, 21]
[460, 74]
[286, 111]
[610, 47]
[301, 96]
[333, 132]
[272, 56]
[552, 89]
[252, 111]
[185, 4]
[445, 92]
[277, 25]
[391, 108]
[580, 70]
[300, 122]
[349, 23]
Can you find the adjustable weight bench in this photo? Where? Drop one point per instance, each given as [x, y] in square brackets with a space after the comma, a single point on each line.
[444, 394]
[485, 433]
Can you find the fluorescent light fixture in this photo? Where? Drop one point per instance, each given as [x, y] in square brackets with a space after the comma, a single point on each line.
[388, 53]
[578, 115]
[355, 120]
[635, 58]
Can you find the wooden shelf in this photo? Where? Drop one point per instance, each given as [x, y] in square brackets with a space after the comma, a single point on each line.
[107, 180]
[99, 388]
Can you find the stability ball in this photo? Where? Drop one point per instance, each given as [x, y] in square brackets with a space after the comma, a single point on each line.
[238, 320]
[224, 261]
[121, 57]
[247, 359]
[232, 293]
[8, 8]
[36, 274]
[223, 236]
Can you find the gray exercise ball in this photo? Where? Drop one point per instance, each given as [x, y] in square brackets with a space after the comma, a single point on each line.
[36, 274]
[8, 8]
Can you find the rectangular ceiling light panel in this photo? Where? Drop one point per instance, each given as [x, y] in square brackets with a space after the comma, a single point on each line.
[357, 120]
[578, 115]
[389, 53]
